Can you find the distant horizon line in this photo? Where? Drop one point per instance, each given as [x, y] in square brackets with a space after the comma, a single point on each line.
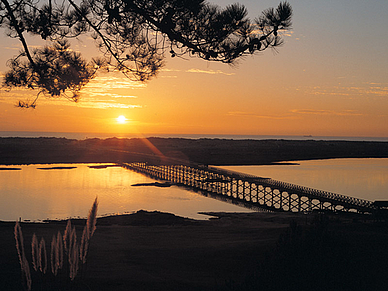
[88, 135]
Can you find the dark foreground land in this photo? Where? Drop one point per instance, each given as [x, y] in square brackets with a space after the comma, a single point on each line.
[257, 251]
[157, 251]
[202, 151]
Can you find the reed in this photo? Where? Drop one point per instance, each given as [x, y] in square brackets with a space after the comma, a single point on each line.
[73, 254]
[19, 242]
[35, 251]
[53, 255]
[88, 231]
[65, 250]
[74, 261]
[27, 274]
[84, 246]
[42, 256]
[66, 235]
[92, 219]
[60, 250]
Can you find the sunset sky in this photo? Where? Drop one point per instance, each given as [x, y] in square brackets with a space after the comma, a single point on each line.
[329, 79]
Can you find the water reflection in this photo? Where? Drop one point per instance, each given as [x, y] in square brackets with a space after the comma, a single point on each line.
[32, 193]
[360, 178]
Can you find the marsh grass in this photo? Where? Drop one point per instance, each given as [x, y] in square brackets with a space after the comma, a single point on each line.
[68, 256]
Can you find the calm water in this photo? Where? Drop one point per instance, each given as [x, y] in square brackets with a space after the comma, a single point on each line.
[36, 194]
[360, 178]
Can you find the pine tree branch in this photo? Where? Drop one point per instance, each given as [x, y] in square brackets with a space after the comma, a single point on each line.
[15, 25]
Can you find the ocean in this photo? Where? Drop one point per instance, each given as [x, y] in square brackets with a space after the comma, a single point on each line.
[86, 135]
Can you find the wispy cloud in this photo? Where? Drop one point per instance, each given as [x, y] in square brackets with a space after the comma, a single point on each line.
[198, 71]
[326, 112]
[105, 105]
[104, 83]
[13, 48]
[297, 37]
[107, 94]
[94, 95]
[287, 33]
[13, 96]
[169, 70]
[369, 89]
[295, 114]
[212, 72]
[91, 103]
[18, 46]
[255, 115]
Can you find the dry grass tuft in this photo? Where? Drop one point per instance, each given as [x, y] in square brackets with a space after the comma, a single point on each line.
[62, 247]
[92, 219]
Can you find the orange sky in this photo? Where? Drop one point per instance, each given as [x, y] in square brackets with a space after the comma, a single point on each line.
[329, 79]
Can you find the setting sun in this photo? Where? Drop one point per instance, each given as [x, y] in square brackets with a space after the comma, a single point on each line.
[121, 119]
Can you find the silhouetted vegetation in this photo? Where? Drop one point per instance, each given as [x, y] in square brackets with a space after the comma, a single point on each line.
[328, 254]
[133, 36]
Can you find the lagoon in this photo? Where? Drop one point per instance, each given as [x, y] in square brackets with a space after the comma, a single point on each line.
[68, 190]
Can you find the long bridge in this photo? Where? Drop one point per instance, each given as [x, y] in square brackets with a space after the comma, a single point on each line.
[250, 190]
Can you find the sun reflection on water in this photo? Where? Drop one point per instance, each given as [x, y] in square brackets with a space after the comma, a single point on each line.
[40, 194]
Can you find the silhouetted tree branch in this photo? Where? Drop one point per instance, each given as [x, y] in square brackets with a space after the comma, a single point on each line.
[133, 35]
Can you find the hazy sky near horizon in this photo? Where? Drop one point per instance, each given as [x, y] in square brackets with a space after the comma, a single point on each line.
[329, 79]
